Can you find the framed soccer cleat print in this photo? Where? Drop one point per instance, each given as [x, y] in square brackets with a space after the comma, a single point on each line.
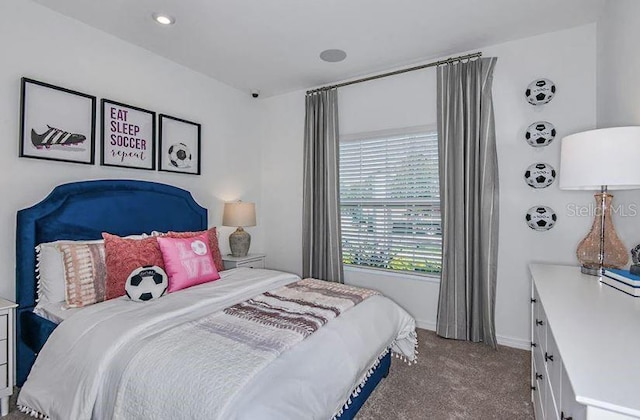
[56, 123]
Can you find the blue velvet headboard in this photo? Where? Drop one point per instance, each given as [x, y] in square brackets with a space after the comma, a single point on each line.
[83, 210]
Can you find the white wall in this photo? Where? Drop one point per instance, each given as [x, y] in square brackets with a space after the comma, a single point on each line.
[41, 44]
[618, 90]
[619, 64]
[567, 57]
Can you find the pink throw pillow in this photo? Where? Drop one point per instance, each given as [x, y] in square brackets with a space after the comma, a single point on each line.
[213, 244]
[125, 255]
[187, 261]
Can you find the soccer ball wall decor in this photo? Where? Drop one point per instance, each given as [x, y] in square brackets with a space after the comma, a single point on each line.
[541, 218]
[539, 175]
[179, 155]
[146, 283]
[540, 91]
[540, 134]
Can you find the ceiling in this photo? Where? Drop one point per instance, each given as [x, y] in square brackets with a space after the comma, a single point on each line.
[273, 45]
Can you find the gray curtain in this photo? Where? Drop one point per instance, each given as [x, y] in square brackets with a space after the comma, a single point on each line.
[321, 247]
[469, 201]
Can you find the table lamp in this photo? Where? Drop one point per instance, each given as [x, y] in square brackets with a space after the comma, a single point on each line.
[239, 214]
[604, 159]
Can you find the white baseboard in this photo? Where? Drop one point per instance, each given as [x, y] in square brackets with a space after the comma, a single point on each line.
[517, 343]
[426, 325]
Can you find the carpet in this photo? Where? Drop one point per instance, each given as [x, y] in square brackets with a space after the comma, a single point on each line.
[452, 380]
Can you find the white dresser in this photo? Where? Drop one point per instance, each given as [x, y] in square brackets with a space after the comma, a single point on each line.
[7, 310]
[585, 347]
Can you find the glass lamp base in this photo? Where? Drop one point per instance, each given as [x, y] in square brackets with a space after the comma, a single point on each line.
[592, 271]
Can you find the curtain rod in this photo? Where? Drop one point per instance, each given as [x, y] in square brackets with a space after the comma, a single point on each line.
[393, 73]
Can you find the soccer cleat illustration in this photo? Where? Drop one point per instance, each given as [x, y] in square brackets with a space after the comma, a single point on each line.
[55, 136]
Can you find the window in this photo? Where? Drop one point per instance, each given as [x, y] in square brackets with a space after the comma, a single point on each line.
[390, 201]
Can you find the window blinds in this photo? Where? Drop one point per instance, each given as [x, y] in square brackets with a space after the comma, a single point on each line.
[390, 202]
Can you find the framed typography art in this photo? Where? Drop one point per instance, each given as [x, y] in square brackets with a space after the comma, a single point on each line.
[56, 123]
[179, 145]
[128, 136]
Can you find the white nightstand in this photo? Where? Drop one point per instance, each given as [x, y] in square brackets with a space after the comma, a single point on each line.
[250, 261]
[7, 312]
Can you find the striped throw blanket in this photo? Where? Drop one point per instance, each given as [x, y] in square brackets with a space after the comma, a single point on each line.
[231, 347]
[302, 307]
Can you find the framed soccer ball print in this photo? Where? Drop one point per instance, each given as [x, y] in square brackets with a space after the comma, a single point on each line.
[56, 123]
[179, 145]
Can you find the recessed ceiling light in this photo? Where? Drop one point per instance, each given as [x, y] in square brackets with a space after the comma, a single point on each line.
[333, 56]
[163, 19]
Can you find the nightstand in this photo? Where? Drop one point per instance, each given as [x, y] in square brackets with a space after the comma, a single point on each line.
[7, 312]
[250, 261]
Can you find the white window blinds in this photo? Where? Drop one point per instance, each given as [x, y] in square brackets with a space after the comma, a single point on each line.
[390, 202]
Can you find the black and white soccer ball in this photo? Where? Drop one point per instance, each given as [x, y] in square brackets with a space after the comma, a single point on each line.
[146, 283]
[540, 134]
[539, 175]
[540, 91]
[541, 218]
[179, 155]
[199, 247]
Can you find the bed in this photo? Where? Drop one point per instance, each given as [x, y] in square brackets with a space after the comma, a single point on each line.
[82, 211]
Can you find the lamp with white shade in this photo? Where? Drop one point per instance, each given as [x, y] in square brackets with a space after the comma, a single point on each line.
[239, 214]
[604, 160]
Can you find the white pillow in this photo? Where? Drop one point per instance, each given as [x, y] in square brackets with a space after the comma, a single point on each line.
[50, 270]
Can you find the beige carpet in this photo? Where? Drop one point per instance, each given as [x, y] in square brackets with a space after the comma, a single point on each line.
[452, 380]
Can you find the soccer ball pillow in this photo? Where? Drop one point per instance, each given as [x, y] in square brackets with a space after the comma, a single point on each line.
[539, 175]
[540, 91]
[541, 218]
[179, 155]
[146, 283]
[540, 134]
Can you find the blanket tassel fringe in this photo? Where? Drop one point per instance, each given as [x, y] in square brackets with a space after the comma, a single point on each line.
[31, 412]
[358, 389]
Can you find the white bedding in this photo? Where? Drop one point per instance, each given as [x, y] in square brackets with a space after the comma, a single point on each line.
[77, 373]
[55, 312]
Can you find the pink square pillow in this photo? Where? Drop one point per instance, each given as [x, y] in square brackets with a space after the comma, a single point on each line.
[123, 255]
[187, 261]
[213, 244]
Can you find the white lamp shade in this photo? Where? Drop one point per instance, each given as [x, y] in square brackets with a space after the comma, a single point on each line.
[608, 156]
[239, 214]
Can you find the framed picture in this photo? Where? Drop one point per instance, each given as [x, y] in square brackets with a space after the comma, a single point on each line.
[179, 145]
[56, 123]
[128, 136]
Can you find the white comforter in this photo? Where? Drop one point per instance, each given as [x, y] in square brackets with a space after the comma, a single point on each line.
[77, 374]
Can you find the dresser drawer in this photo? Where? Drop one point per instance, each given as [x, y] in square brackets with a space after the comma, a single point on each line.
[554, 365]
[250, 261]
[252, 264]
[538, 391]
[569, 407]
[540, 326]
[4, 379]
[550, 409]
[3, 327]
[3, 351]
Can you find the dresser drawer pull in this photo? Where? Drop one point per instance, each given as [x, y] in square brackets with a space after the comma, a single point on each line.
[533, 300]
[539, 376]
[562, 417]
[533, 388]
[533, 344]
[539, 322]
[548, 357]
